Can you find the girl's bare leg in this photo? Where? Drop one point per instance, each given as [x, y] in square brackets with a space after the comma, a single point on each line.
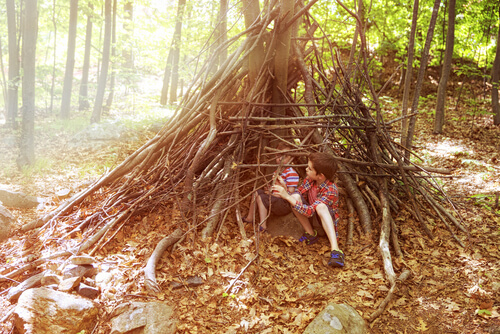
[262, 213]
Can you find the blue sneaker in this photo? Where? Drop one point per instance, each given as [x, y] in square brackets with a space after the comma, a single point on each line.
[336, 259]
[308, 238]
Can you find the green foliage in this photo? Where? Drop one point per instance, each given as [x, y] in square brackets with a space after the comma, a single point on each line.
[487, 201]
[42, 166]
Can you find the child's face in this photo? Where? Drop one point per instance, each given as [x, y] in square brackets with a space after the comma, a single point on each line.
[311, 172]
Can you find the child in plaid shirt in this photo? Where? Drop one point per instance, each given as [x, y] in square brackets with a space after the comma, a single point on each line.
[317, 196]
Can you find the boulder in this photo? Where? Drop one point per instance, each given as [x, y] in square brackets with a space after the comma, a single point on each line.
[6, 220]
[16, 291]
[289, 225]
[144, 318]
[18, 200]
[45, 311]
[100, 135]
[337, 319]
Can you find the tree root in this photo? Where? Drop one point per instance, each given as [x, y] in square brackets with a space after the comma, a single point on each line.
[150, 269]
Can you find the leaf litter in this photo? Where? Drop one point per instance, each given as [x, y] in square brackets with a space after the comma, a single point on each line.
[451, 289]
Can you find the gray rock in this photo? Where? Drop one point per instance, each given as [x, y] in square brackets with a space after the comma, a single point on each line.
[69, 284]
[74, 270]
[16, 291]
[50, 278]
[144, 318]
[6, 220]
[87, 291]
[103, 278]
[289, 225]
[10, 141]
[45, 311]
[337, 319]
[190, 282]
[82, 259]
[100, 135]
[18, 200]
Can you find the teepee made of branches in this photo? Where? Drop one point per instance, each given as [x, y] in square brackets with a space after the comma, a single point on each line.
[220, 144]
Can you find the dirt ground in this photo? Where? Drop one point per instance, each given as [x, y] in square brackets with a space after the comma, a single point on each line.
[450, 290]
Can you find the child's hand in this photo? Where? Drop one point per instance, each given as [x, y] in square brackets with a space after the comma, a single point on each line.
[281, 181]
[279, 191]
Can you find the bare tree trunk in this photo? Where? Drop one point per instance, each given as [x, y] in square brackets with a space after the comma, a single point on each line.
[355, 38]
[12, 91]
[27, 146]
[70, 60]
[251, 10]
[222, 31]
[127, 53]
[282, 56]
[54, 57]
[101, 88]
[4, 80]
[84, 95]
[176, 47]
[495, 77]
[166, 79]
[445, 73]
[109, 101]
[420, 78]
[409, 73]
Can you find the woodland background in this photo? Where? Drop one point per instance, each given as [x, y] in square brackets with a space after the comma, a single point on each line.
[66, 65]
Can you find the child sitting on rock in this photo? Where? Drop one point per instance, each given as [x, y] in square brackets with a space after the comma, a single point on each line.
[288, 178]
[317, 196]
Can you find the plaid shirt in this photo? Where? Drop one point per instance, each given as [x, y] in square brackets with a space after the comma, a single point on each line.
[327, 193]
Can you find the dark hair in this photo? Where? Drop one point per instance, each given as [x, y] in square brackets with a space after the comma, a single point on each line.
[323, 163]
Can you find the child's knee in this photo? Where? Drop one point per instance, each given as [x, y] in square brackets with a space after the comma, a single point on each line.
[322, 209]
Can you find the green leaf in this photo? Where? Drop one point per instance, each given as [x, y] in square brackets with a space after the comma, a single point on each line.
[207, 260]
[224, 294]
[485, 312]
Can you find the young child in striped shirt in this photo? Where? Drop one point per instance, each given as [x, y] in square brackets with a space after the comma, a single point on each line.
[288, 178]
[317, 196]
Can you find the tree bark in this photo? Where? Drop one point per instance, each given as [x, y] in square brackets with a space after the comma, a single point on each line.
[4, 80]
[101, 88]
[282, 55]
[54, 57]
[27, 146]
[176, 48]
[70, 60]
[166, 79]
[83, 96]
[495, 77]
[409, 73]
[252, 13]
[12, 91]
[109, 101]
[222, 31]
[420, 78]
[445, 73]
[128, 26]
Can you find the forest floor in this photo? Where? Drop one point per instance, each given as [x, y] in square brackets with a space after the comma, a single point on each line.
[451, 289]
